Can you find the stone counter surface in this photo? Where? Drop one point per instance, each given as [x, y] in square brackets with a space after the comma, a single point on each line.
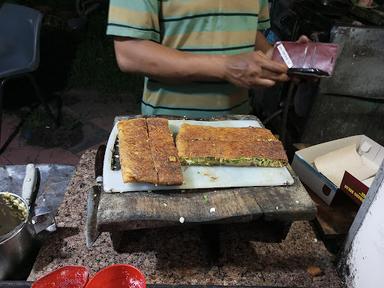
[175, 256]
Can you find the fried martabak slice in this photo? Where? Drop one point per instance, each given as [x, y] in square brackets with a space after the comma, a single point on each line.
[239, 147]
[135, 152]
[164, 153]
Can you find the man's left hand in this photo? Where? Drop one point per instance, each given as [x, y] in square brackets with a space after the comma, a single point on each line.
[302, 39]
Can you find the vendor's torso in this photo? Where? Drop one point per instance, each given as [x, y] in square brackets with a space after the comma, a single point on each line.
[203, 27]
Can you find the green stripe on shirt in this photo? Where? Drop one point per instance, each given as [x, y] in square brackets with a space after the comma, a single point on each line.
[240, 109]
[192, 26]
[210, 23]
[236, 14]
[138, 5]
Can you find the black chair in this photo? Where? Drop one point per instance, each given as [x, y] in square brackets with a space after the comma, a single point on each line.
[19, 49]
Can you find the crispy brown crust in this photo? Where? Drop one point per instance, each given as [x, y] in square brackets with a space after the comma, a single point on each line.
[196, 132]
[238, 143]
[135, 152]
[147, 152]
[164, 153]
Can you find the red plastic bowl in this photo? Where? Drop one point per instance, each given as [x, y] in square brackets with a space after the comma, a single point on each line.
[118, 276]
[66, 277]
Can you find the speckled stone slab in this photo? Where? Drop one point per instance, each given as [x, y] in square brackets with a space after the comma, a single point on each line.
[175, 257]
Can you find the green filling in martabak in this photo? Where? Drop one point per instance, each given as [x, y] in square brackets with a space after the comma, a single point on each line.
[242, 161]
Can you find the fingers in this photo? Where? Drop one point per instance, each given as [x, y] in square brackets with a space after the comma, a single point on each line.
[282, 77]
[272, 70]
[303, 39]
[254, 69]
[264, 82]
[273, 66]
[269, 64]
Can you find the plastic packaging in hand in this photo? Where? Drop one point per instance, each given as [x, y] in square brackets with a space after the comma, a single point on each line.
[312, 59]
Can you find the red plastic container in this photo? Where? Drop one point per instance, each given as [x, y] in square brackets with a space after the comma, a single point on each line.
[118, 276]
[66, 277]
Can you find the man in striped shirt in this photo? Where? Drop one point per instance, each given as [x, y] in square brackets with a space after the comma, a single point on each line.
[199, 57]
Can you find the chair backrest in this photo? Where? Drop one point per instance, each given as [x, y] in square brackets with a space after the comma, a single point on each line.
[20, 29]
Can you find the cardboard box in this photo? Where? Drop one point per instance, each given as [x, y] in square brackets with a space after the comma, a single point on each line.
[303, 164]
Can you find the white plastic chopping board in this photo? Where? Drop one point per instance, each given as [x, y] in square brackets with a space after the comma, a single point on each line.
[198, 177]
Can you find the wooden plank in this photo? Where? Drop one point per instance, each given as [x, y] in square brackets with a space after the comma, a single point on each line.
[130, 211]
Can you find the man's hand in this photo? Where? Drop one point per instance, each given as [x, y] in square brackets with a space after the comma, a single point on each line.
[254, 69]
[173, 66]
[303, 39]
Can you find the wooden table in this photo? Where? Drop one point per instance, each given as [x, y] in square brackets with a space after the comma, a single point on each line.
[119, 212]
[141, 210]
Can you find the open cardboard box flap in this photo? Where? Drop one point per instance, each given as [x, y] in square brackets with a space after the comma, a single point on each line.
[368, 153]
[334, 164]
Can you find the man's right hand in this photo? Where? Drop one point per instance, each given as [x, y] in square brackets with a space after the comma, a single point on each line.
[172, 66]
[253, 69]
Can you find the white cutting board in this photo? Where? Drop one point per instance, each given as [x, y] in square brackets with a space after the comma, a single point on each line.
[197, 177]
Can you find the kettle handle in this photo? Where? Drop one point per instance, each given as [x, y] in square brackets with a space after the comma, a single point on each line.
[29, 183]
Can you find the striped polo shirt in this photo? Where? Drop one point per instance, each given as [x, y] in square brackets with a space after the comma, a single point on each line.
[193, 26]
